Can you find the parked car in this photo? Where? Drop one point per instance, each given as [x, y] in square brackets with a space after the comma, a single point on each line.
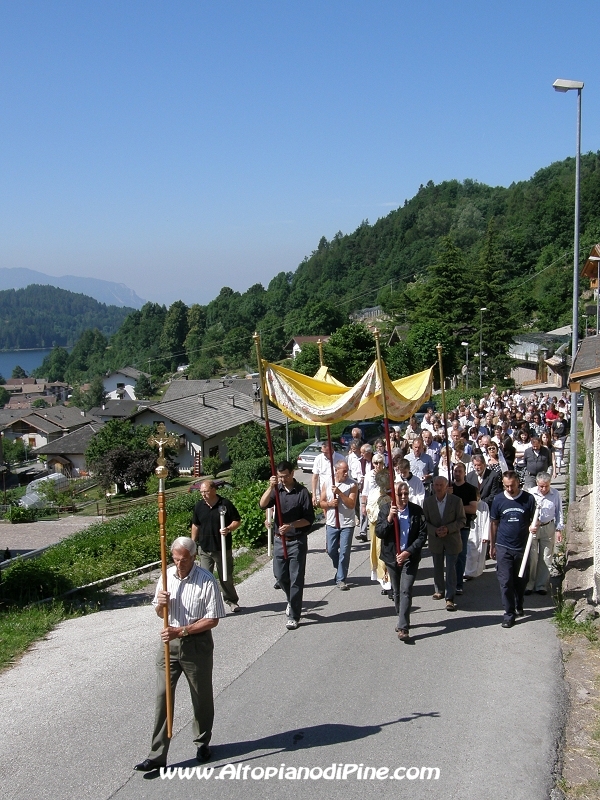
[306, 459]
[370, 432]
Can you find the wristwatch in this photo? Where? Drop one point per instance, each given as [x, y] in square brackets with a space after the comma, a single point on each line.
[184, 632]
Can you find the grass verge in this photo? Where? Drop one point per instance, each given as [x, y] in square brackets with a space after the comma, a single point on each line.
[564, 619]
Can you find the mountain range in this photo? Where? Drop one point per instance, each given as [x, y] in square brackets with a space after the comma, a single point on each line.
[108, 292]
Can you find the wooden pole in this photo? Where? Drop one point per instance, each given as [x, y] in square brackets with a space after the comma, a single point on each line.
[450, 468]
[161, 439]
[263, 391]
[386, 425]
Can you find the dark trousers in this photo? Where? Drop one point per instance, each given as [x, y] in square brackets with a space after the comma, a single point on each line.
[289, 572]
[192, 656]
[512, 588]
[208, 560]
[461, 559]
[402, 580]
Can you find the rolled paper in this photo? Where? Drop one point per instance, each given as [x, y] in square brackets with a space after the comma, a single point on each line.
[222, 512]
[530, 539]
[270, 532]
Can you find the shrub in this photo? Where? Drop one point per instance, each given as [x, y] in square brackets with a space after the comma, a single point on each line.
[245, 473]
[252, 530]
[211, 465]
[18, 514]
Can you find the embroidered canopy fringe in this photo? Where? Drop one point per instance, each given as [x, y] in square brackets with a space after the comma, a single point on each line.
[325, 401]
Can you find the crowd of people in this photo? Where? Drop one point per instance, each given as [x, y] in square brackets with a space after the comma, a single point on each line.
[478, 485]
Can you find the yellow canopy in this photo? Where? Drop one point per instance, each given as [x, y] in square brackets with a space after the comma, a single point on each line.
[322, 402]
[323, 374]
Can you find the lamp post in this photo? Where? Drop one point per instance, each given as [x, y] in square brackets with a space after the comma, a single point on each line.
[561, 85]
[466, 344]
[597, 260]
[481, 310]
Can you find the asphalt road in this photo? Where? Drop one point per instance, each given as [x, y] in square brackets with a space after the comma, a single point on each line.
[481, 704]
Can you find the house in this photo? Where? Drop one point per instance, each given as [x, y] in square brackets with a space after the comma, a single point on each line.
[186, 388]
[296, 343]
[67, 454]
[204, 421]
[38, 428]
[541, 358]
[585, 376]
[115, 409]
[120, 384]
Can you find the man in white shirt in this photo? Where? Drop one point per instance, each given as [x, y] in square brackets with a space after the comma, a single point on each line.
[322, 469]
[551, 525]
[195, 606]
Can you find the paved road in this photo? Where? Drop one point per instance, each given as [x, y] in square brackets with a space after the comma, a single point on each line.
[482, 704]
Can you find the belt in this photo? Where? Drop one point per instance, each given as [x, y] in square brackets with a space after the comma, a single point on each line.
[290, 538]
[543, 524]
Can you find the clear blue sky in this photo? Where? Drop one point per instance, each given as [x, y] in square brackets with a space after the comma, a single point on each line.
[179, 147]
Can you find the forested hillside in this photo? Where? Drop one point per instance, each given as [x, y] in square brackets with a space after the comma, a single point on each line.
[449, 251]
[43, 316]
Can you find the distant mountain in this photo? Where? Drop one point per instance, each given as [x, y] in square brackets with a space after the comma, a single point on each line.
[44, 316]
[112, 294]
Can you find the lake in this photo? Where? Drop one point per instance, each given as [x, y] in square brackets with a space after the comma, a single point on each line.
[28, 359]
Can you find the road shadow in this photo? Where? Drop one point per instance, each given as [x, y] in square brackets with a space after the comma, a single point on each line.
[291, 741]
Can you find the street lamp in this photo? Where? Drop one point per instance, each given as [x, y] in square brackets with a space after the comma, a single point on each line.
[561, 85]
[466, 344]
[481, 310]
[597, 260]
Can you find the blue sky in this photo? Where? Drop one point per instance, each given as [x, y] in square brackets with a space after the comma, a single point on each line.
[179, 147]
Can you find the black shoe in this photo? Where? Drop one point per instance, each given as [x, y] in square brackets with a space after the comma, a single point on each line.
[541, 591]
[520, 612]
[276, 585]
[203, 753]
[528, 592]
[361, 537]
[508, 623]
[148, 765]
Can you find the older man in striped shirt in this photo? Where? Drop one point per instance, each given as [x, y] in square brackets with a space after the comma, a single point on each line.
[195, 606]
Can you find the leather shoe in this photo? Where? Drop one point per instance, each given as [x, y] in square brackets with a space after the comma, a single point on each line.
[508, 623]
[403, 635]
[203, 753]
[148, 765]
[520, 612]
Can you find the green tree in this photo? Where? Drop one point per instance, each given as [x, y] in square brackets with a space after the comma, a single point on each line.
[18, 372]
[143, 388]
[349, 353]
[422, 341]
[4, 396]
[174, 332]
[307, 361]
[398, 361]
[39, 403]
[196, 331]
[249, 442]
[54, 365]
[236, 346]
[203, 369]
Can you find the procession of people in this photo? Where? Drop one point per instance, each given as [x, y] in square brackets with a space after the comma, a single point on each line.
[471, 485]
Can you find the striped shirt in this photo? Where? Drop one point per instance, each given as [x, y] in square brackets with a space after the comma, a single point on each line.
[197, 596]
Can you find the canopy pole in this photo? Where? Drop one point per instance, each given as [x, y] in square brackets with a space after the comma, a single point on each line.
[387, 438]
[449, 462]
[337, 513]
[263, 392]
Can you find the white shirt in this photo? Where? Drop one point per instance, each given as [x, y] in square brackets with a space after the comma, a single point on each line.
[550, 506]
[322, 467]
[354, 468]
[197, 596]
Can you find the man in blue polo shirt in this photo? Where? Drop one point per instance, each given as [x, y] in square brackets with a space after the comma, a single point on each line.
[511, 522]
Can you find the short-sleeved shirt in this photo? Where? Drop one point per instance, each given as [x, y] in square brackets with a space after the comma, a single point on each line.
[295, 504]
[209, 521]
[467, 493]
[514, 516]
[197, 596]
